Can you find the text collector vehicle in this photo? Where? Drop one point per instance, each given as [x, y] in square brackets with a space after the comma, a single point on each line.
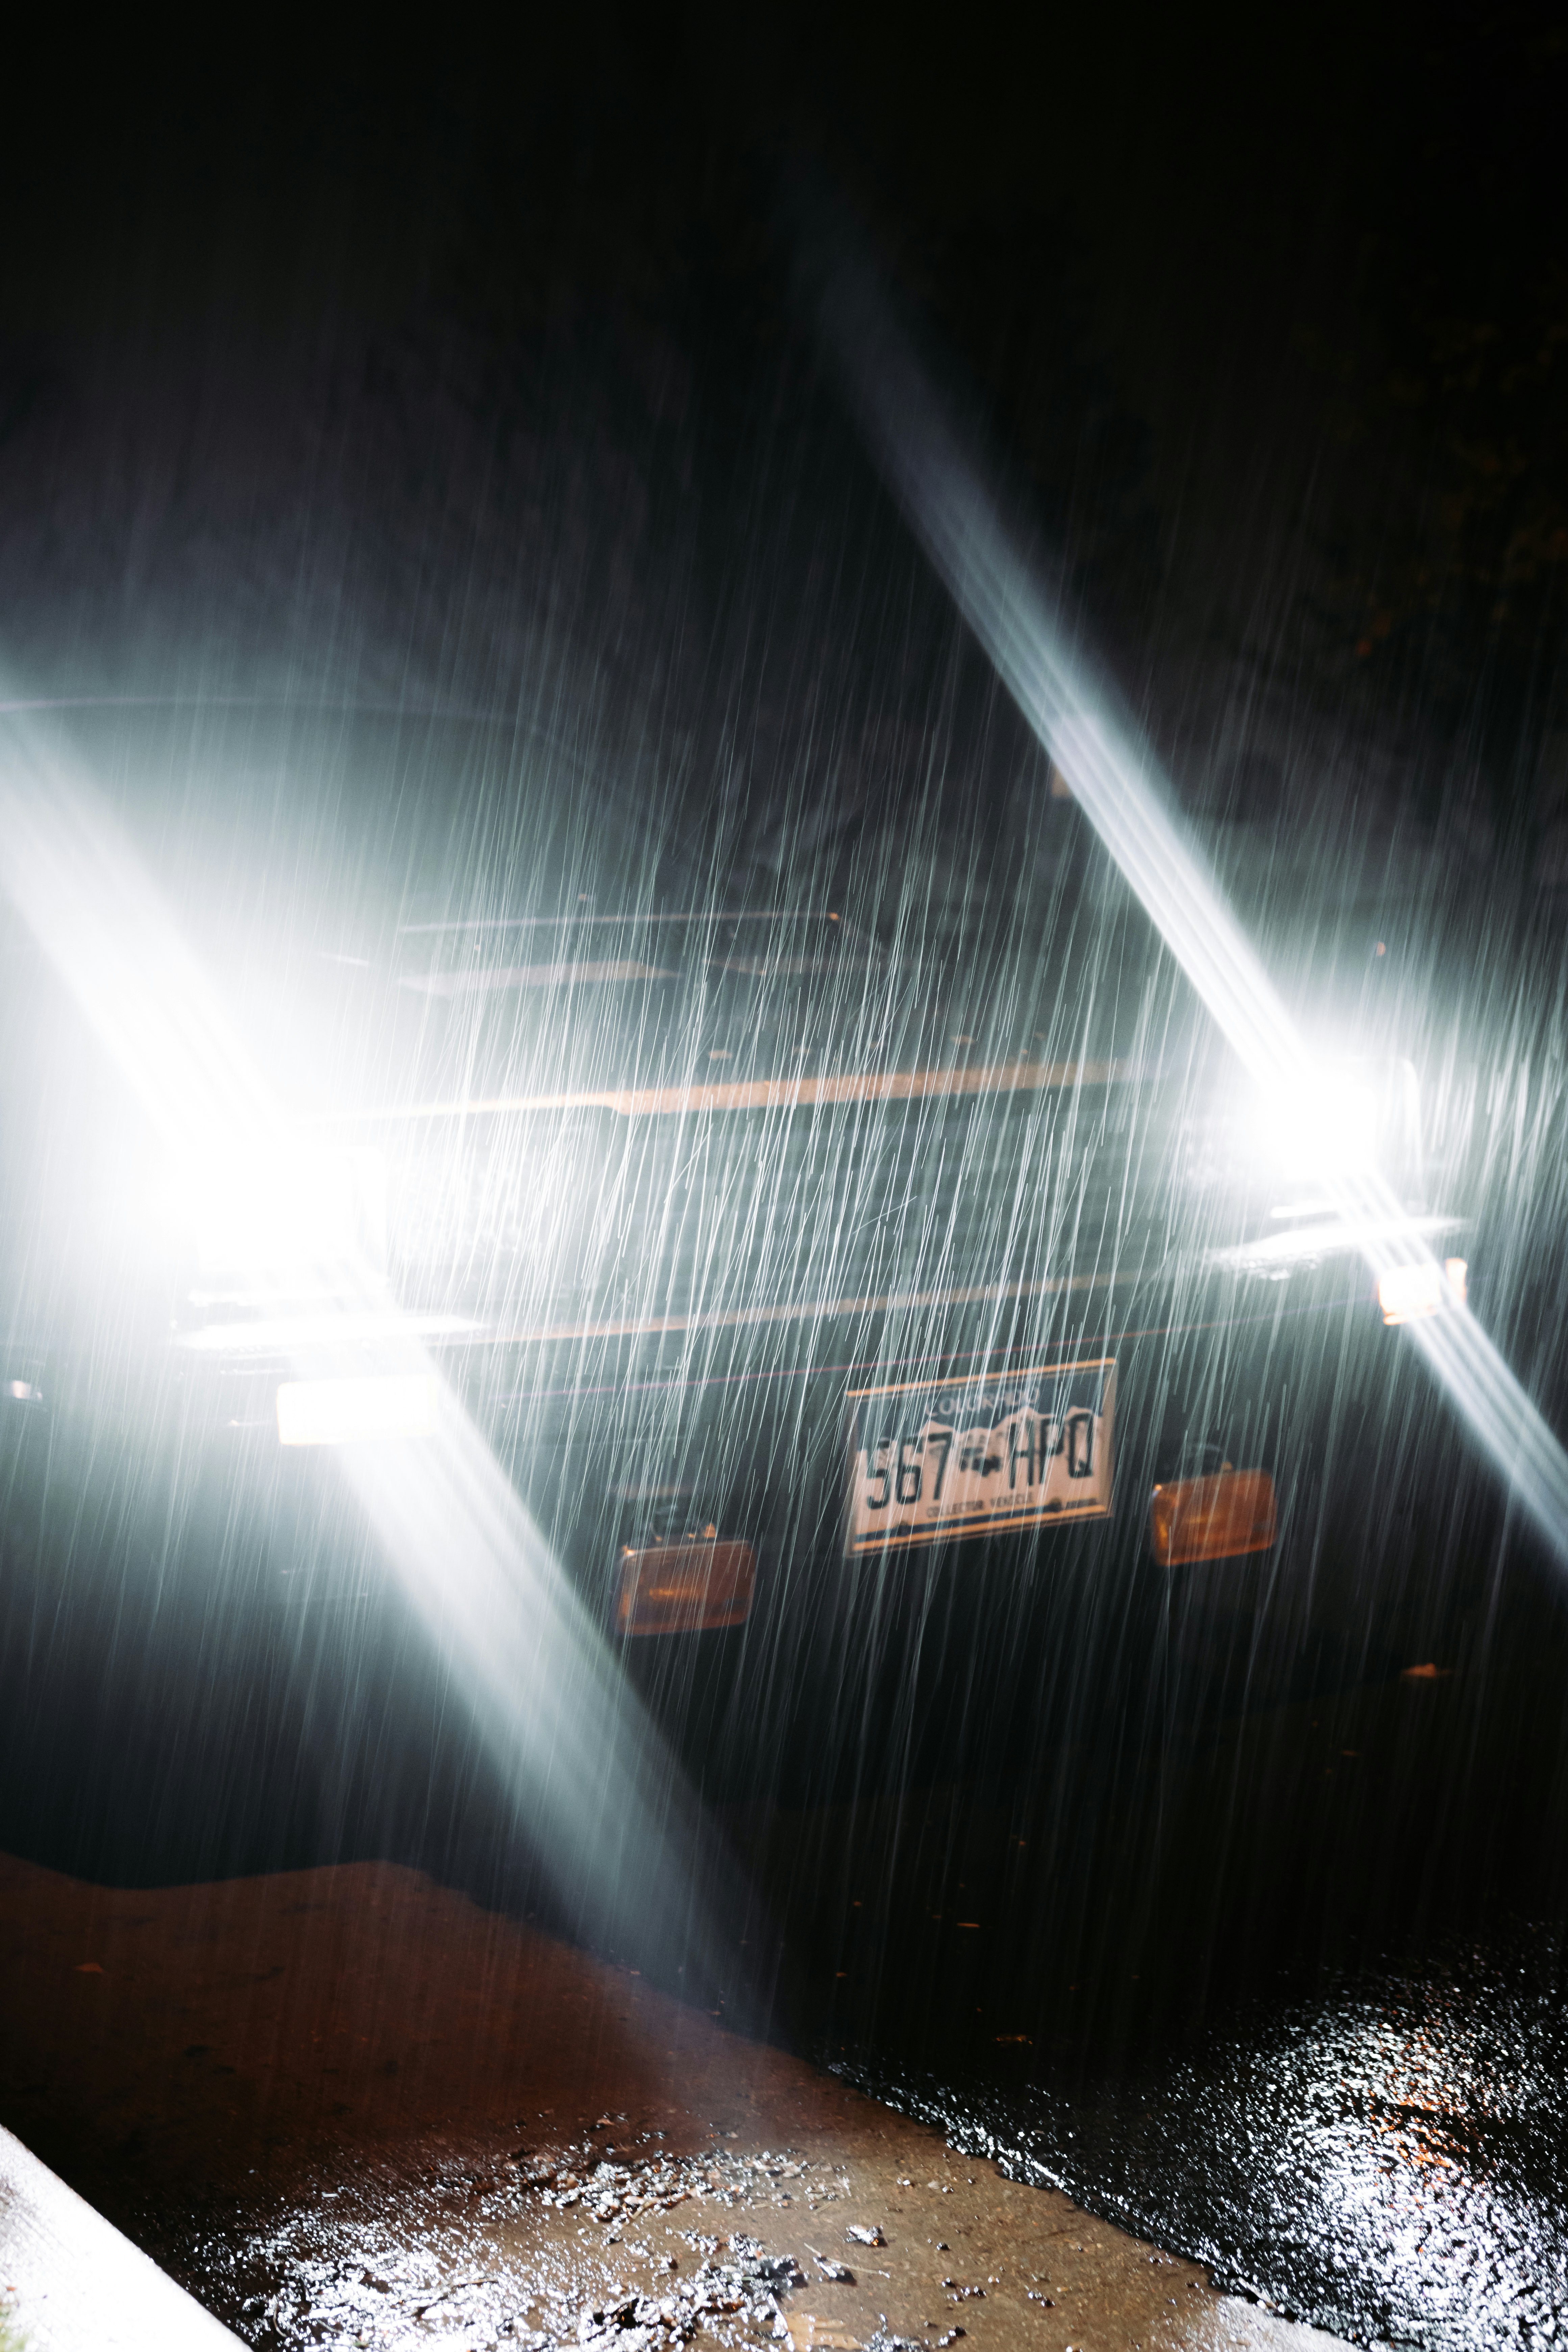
[910, 1350]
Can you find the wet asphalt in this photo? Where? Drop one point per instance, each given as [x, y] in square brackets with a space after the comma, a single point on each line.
[1290, 2000]
[1280, 1993]
[1290, 2007]
[1387, 2161]
[347, 2106]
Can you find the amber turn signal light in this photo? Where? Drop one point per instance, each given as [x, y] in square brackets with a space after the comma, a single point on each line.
[686, 1588]
[1217, 1517]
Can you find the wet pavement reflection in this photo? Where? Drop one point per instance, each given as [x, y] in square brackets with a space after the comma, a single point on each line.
[1284, 1992]
[348, 2107]
[1388, 2161]
[496, 2255]
[1277, 1990]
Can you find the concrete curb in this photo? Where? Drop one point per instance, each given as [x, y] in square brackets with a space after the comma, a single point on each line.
[70, 2283]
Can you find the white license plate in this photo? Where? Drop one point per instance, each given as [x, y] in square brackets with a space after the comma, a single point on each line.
[991, 1452]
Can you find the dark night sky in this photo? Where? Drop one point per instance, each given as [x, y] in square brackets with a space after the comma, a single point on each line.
[312, 336]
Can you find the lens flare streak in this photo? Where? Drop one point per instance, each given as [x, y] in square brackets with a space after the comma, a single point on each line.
[586, 1775]
[1115, 778]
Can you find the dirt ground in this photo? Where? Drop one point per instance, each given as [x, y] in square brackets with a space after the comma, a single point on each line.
[345, 2106]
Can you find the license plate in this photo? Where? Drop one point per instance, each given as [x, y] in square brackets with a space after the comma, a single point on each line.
[992, 1453]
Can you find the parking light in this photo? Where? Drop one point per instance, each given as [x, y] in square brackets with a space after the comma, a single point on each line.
[1407, 1293]
[695, 1586]
[1221, 1516]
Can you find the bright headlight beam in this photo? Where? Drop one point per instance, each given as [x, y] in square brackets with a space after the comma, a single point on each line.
[588, 1778]
[1115, 780]
[378, 1408]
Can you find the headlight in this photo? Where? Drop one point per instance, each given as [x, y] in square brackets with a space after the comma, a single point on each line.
[1342, 1118]
[1320, 1128]
[283, 1219]
[386, 1408]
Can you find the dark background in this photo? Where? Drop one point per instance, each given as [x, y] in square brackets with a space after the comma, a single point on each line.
[456, 365]
[460, 368]
[457, 362]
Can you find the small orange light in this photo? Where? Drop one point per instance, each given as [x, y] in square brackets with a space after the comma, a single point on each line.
[1217, 1517]
[686, 1588]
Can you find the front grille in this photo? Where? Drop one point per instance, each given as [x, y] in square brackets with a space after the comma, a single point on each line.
[522, 1219]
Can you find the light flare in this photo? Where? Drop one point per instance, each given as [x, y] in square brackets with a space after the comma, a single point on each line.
[1115, 780]
[589, 1782]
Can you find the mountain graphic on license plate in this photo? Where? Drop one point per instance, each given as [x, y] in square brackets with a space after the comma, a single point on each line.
[992, 1453]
